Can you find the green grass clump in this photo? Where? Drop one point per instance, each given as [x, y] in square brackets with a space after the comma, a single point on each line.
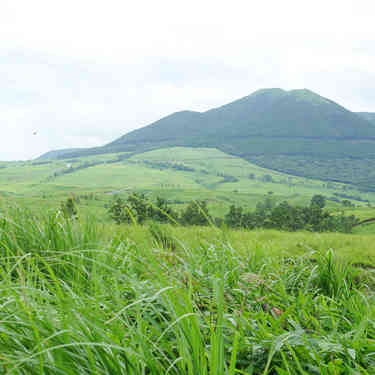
[78, 298]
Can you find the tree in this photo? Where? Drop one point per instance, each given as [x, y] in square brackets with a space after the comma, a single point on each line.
[162, 211]
[286, 217]
[318, 200]
[196, 213]
[117, 211]
[265, 207]
[234, 217]
[140, 206]
[347, 203]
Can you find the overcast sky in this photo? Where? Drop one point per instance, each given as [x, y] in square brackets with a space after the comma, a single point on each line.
[81, 73]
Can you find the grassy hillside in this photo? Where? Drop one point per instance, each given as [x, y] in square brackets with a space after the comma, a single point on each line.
[182, 169]
[178, 175]
[297, 132]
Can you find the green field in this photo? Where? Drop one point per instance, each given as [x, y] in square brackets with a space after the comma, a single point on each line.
[178, 174]
[87, 296]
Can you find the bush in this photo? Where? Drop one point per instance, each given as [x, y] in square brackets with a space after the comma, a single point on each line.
[138, 208]
[196, 213]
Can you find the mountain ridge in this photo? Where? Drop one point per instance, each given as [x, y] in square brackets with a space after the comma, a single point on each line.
[369, 116]
[275, 128]
[259, 114]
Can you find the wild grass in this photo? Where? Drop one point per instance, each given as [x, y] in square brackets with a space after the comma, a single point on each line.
[80, 298]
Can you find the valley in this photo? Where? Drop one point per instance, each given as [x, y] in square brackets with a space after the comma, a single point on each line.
[91, 284]
[177, 174]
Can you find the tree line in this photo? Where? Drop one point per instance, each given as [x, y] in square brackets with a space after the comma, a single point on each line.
[291, 218]
[137, 208]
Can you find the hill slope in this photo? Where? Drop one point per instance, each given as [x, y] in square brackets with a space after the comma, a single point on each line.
[178, 174]
[369, 116]
[298, 132]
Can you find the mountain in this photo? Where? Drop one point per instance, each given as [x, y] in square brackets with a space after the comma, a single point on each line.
[266, 113]
[369, 116]
[297, 132]
[60, 154]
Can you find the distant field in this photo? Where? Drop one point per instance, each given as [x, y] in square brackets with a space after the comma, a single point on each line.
[177, 174]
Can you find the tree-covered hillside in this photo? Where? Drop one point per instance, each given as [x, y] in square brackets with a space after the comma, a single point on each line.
[298, 132]
[369, 116]
[266, 113]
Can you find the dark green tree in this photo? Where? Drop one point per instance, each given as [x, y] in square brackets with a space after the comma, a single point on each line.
[234, 217]
[347, 203]
[318, 200]
[196, 213]
[117, 211]
[140, 207]
[286, 217]
[162, 212]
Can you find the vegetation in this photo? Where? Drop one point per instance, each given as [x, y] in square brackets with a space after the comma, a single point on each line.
[170, 252]
[369, 116]
[219, 178]
[138, 208]
[68, 208]
[290, 218]
[78, 298]
[333, 144]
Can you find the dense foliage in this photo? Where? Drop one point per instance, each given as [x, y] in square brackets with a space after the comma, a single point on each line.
[286, 217]
[138, 208]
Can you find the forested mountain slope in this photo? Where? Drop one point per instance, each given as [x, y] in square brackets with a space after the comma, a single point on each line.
[369, 116]
[297, 131]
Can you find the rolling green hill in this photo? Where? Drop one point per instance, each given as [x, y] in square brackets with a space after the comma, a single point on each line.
[177, 174]
[296, 132]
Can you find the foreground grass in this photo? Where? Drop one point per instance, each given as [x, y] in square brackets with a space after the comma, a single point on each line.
[77, 298]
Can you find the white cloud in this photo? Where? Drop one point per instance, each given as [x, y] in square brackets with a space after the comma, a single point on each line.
[85, 72]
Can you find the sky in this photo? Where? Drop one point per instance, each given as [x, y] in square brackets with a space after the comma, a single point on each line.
[81, 73]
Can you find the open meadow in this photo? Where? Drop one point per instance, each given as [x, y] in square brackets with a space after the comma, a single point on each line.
[187, 187]
[178, 174]
[82, 297]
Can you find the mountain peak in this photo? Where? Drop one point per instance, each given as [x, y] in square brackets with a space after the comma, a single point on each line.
[309, 96]
[269, 113]
[269, 91]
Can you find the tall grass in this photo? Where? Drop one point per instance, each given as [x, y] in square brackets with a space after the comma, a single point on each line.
[77, 299]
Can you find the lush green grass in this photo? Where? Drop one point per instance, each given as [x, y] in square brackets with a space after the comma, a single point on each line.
[135, 173]
[82, 298]
[47, 184]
